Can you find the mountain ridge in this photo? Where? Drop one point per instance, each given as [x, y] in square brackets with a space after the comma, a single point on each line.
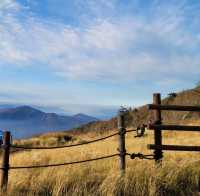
[27, 121]
[141, 115]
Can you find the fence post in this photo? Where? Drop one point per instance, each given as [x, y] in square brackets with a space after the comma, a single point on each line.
[122, 148]
[158, 154]
[5, 160]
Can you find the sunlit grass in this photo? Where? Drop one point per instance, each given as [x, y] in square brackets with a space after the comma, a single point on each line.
[177, 176]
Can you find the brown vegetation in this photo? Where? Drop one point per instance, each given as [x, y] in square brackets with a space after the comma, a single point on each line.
[179, 174]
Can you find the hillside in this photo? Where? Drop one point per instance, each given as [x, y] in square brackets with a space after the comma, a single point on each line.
[140, 115]
[135, 117]
[26, 121]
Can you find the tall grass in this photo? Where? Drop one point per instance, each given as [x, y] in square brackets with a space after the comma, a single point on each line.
[179, 174]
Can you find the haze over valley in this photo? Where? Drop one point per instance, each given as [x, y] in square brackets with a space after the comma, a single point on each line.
[25, 121]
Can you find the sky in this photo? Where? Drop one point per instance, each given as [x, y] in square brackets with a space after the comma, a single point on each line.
[92, 56]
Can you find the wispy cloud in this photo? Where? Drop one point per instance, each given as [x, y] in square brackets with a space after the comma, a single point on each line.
[111, 43]
[112, 49]
[9, 5]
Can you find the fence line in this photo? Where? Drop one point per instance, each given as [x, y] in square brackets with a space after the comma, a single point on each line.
[61, 164]
[132, 156]
[132, 130]
[67, 146]
[157, 146]
[158, 127]
[7, 145]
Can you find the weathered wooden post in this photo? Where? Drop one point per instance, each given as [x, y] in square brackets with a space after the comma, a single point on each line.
[5, 160]
[158, 154]
[122, 147]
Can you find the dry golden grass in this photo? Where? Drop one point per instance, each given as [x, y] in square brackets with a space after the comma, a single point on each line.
[179, 174]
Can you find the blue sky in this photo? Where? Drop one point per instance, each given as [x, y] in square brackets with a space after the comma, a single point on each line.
[92, 55]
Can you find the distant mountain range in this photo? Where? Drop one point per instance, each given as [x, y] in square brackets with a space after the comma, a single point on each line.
[26, 121]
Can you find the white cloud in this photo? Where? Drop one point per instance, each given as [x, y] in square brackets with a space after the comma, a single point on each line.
[7, 5]
[114, 49]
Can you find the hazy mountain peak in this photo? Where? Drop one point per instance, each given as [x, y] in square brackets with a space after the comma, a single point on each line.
[84, 117]
[25, 121]
[80, 114]
[27, 109]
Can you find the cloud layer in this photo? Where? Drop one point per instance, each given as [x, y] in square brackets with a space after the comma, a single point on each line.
[112, 48]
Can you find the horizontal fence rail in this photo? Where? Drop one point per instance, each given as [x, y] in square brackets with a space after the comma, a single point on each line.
[174, 147]
[174, 127]
[131, 130]
[62, 164]
[132, 156]
[65, 146]
[173, 107]
[68, 146]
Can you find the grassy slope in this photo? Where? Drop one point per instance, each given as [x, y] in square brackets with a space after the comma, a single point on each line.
[178, 176]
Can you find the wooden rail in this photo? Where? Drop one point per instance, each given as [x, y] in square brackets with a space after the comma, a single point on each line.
[174, 127]
[174, 107]
[174, 147]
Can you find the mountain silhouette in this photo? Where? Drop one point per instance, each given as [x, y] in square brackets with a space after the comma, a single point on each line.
[25, 121]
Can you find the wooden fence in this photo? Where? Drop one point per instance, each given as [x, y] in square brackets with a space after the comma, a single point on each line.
[158, 127]
[158, 148]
